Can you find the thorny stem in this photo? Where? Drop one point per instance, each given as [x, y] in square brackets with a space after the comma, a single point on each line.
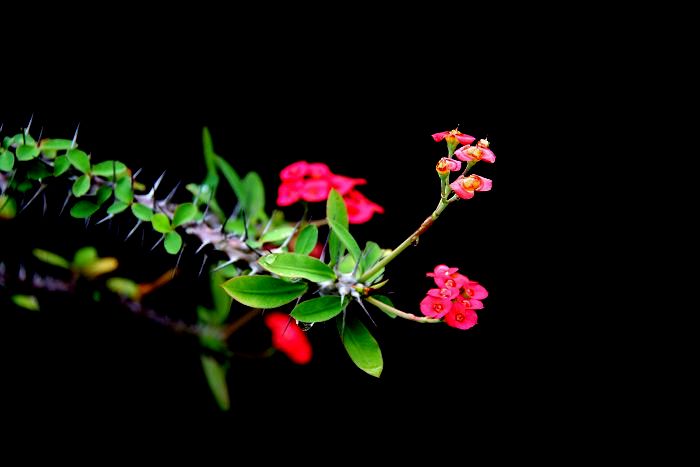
[401, 314]
[409, 241]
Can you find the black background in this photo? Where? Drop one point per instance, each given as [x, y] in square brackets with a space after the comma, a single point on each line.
[367, 117]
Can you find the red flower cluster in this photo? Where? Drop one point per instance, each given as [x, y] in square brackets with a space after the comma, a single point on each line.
[455, 299]
[313, 182]
[287, 337]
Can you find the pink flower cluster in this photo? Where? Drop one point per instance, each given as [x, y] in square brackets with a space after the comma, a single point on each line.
[312, 182]
[455, 299]
[464, 187]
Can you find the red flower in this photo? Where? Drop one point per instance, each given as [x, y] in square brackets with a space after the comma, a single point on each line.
[455, 300]
[454, 135]
[287, 337]
[360, 209]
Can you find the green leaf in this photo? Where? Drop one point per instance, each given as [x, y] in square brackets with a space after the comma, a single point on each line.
[362, 348]
[263, 291]
[387, 301]
[7, 161]
[336, 210]
[51, 258]
[216, 377]
[232, 178]
[212, 178]
[55, 144]
[26, 301]
[84, 257]
[346, 265]
[294, 265]
[102, 195]
[277, 235]
[117, 207]
[306, 241]
[222, 301]
[38, 170]
[79, 160]
[60, 165]
[142, 212]
[81, 186]
[318, 309]
[106, 169]
[370, 256]
[161, 223]
[184, 213]
[83, 209]
[345, 238]
[254, 198]
[123, 190]
[99, 266]
[173, 242]
[27, 152]
[8, 207]
[124, 287]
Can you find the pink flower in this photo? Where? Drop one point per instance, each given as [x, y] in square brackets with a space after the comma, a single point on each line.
[288, 338]
[435, 307]
[360, 209]
[480, 152]
[319, 170]
[295, 171]
[315, 190]
[460, 317]
[456, 294]
[447, 165]
[465, 187]
[289, 192]
[344, 184]
[453, 135]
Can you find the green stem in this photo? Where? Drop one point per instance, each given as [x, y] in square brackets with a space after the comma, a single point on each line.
[409, 241]
[399, 313]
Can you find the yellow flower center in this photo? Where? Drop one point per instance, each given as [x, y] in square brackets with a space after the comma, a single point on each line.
[471, 183]
[475, 152]
[483, 143]
[437, 307]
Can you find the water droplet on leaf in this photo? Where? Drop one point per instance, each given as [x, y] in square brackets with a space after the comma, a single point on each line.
[304, 326]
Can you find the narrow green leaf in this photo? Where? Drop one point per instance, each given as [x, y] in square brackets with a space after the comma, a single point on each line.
[173, 242]
[142, 212]
[99, 266]
[117, 207]
[212, 178]
[161, 223]
[254, 199]
[277, 235]
[222, 300]
[55, 144]
[51, 258]
[83, 209]
[124, 287]
[84, 257]
[123, 190]
[184, 213]
[336, 210]
[26, 301]
[7, 161]
[216, 377]
[231, 177]
[81, 186]
[27, 152]
[263, 291]
[306, 241]
[318, 309]
[294, 265]
[345, 238]
[60, 165]
[106, 169]
[79, 160]
[371, 254]
[361, 346]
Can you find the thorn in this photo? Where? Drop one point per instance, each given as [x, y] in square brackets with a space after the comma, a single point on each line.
[136, 174]
[322, 256]
[75, 136]
[41, 188]
[45, 205]
[29, 125]
[138, 222]
[162, 237]
[289, 239]
[65, 203]
[87, 222]
[201, 247]
[2, 125]
[206, 209]
[143, 237]
[157, 183]
[223, 226]
[171, 194]
[201, 268]
[177, 263]
[267, 227]
[106, 218]
[196, 197]
[286, 326]
[22, 273]
[245, 226]
[359, 260]
[342, 326]
[366, 312]
[221, 266]
[41, 132]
